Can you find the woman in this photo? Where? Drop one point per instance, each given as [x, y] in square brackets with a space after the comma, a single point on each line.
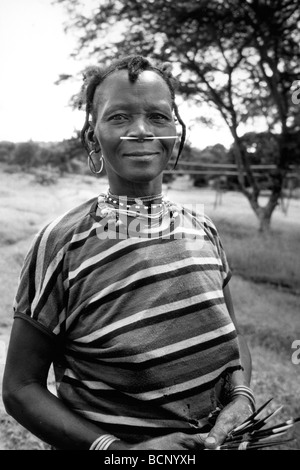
[127, 295]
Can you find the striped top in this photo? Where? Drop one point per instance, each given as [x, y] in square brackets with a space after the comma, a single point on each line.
[140, 322]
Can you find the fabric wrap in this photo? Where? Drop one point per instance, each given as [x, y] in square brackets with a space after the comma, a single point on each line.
[144, 335]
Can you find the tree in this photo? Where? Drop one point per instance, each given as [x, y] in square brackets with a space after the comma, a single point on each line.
[241, 57]
[66, 155]
[6, 151]
[27, 154]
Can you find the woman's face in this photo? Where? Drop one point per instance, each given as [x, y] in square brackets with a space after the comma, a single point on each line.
[140, 109]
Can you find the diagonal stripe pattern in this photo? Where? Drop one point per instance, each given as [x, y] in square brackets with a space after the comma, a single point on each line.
[146, 334]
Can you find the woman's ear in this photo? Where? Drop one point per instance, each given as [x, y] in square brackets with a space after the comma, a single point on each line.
[91, 139]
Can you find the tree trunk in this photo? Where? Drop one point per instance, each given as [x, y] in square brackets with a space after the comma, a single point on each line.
[264, 214]
[252, 192]
[264, 218]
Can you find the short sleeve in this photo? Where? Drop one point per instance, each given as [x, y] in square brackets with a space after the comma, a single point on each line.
[41, 296]
[216, 240]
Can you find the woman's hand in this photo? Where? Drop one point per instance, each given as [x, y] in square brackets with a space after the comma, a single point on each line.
[175, 441]
[229, 418]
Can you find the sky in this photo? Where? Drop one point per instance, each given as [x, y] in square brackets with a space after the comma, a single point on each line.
[34, 51]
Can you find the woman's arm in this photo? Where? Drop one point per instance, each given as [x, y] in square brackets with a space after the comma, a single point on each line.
[239, 377]
[239, 408]
[27, 399]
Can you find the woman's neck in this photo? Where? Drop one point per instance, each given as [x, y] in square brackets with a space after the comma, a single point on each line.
[135, 190]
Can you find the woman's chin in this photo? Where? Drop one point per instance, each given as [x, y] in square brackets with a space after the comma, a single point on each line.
[142, 173]
[143, 177]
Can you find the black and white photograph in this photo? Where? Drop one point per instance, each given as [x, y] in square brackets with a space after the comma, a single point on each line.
[150, 227]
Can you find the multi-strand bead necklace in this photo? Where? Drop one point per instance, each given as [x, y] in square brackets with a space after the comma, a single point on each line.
[153, 208]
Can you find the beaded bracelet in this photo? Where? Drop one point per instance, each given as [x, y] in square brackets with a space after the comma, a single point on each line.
[244, 391]
[103, 442]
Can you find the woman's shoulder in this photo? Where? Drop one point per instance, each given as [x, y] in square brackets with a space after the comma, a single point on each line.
[209, 224]
[197, 211]
[60, 231]
[204, 221]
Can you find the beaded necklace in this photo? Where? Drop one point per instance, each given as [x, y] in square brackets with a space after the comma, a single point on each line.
[153, 208]
[150, 207]
[153, 202]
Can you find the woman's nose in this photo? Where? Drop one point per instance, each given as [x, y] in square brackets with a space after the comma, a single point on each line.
[140, 128]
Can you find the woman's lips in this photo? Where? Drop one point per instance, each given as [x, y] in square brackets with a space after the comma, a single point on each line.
[140, 154]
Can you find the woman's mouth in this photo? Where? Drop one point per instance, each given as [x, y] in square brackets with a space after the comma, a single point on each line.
[140, 154]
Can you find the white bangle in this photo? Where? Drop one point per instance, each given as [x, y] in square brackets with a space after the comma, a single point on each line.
[103, 442]
[245, 392]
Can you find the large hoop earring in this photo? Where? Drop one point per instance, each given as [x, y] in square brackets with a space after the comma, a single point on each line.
[92, 164]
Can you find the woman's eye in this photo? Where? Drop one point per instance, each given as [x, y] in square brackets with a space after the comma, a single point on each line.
[158, 117]
[118, 117]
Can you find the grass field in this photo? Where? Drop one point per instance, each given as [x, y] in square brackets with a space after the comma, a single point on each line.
[265, 284]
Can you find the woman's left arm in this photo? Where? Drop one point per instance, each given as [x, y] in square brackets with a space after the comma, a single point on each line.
[239, 377]
[239, 408]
